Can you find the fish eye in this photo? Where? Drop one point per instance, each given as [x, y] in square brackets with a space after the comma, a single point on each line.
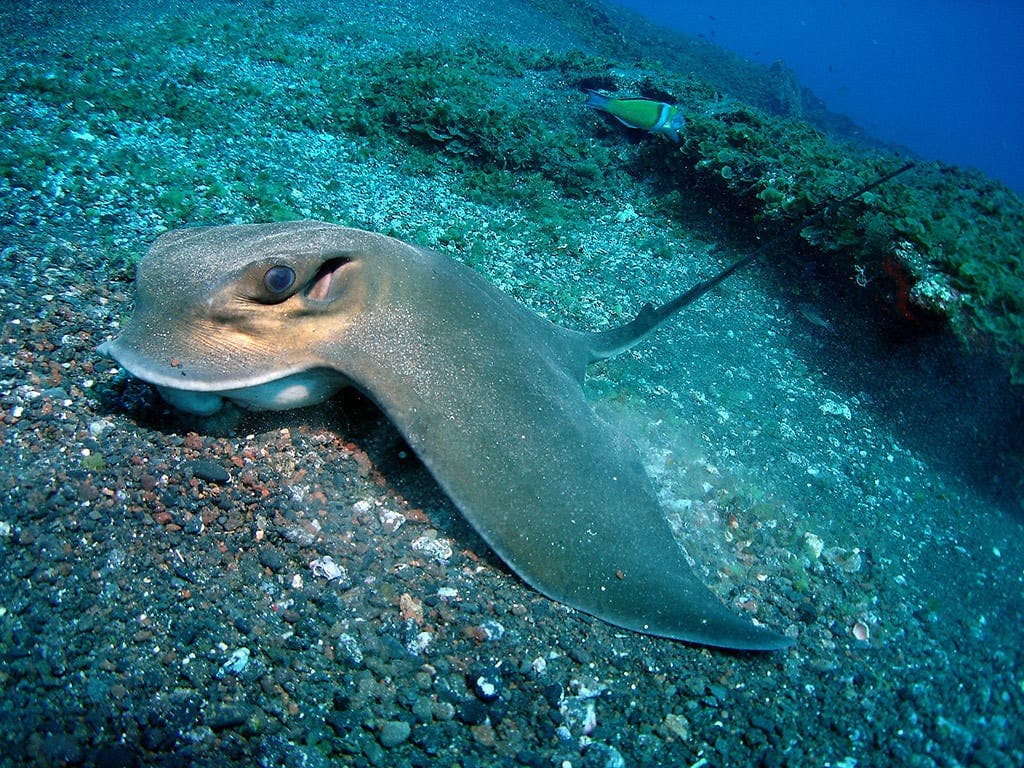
[279, 278]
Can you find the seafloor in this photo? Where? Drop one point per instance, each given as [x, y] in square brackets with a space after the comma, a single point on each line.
[852, 487]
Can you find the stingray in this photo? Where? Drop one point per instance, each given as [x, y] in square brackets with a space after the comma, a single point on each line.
[488, 394]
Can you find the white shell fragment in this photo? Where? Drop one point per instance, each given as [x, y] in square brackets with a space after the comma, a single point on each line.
[439, 550]
[814, 545]
[235, 664]
[391, 520]
[861, 631]
[325, 568]
[832, 408]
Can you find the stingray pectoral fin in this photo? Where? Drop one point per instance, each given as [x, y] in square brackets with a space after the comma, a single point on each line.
[597, 539]
[562, 500]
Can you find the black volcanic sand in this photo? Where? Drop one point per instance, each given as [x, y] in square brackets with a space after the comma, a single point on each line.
[158, 601]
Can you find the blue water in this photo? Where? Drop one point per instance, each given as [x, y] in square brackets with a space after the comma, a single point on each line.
[945, 78]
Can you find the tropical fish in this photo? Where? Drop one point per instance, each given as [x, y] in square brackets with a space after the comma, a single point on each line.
[643, 114]
[812, 316]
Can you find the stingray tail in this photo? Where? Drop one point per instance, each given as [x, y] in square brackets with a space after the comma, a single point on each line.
[607, 343]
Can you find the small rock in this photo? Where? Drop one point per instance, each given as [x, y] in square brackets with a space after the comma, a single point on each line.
[598, 755]
[472, 712]
[272, 559]
[347, 649]
[438, 550]
[832, 408]
[393, 733]
[235, 664]
[99, 426]
[847, 560]
[56, 393]
[391, 520]
[580, 714]
[626, 215]
[302, 535]
[227, 716]
[443, 710]
[813, 544]
[678, 726]
[486, 683]
[489, 630]
[326, 568]
[431, 740]
[210, 471]
[423, 709]
[411, 608]
[483, 735]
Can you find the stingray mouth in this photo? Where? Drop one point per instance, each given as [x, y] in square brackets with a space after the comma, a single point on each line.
[204, 393]
[310, 387]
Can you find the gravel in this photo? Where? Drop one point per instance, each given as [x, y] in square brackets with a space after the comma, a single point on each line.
[831, 482]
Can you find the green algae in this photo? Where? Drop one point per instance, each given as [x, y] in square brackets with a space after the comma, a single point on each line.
[465, 106]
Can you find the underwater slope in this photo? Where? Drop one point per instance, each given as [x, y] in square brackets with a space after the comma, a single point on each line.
[143, 553]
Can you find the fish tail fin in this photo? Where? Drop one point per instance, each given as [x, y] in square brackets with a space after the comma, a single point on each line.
[597, 100]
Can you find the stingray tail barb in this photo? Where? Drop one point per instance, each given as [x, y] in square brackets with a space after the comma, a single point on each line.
[604, 344]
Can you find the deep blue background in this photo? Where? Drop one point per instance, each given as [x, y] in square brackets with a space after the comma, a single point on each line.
[944, 78]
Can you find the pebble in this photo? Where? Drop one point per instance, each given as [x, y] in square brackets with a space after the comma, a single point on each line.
[444, 710]
[847, 560]
[98, 426]
[438, 550]
[598, 755]
[393, 733]
[678, 726]
[486, 683]
[325, 568]
[272, 559]
[235, 664]
[580, 714]
[391, 520]
[813, 544]
[472, 712]
[832, 408]
[423, 709]
[626, 215]
[431, 740]
[347, 649]
[484, 735]
[227, 716]
[210, 471]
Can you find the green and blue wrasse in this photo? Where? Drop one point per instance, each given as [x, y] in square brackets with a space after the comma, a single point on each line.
[643, 114]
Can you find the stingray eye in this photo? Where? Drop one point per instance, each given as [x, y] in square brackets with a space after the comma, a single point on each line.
[279, 279]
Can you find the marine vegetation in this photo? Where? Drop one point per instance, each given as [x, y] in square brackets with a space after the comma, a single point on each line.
[941, 248]
[468, 112]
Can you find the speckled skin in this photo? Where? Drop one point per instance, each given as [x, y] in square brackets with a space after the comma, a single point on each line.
[488, 394]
